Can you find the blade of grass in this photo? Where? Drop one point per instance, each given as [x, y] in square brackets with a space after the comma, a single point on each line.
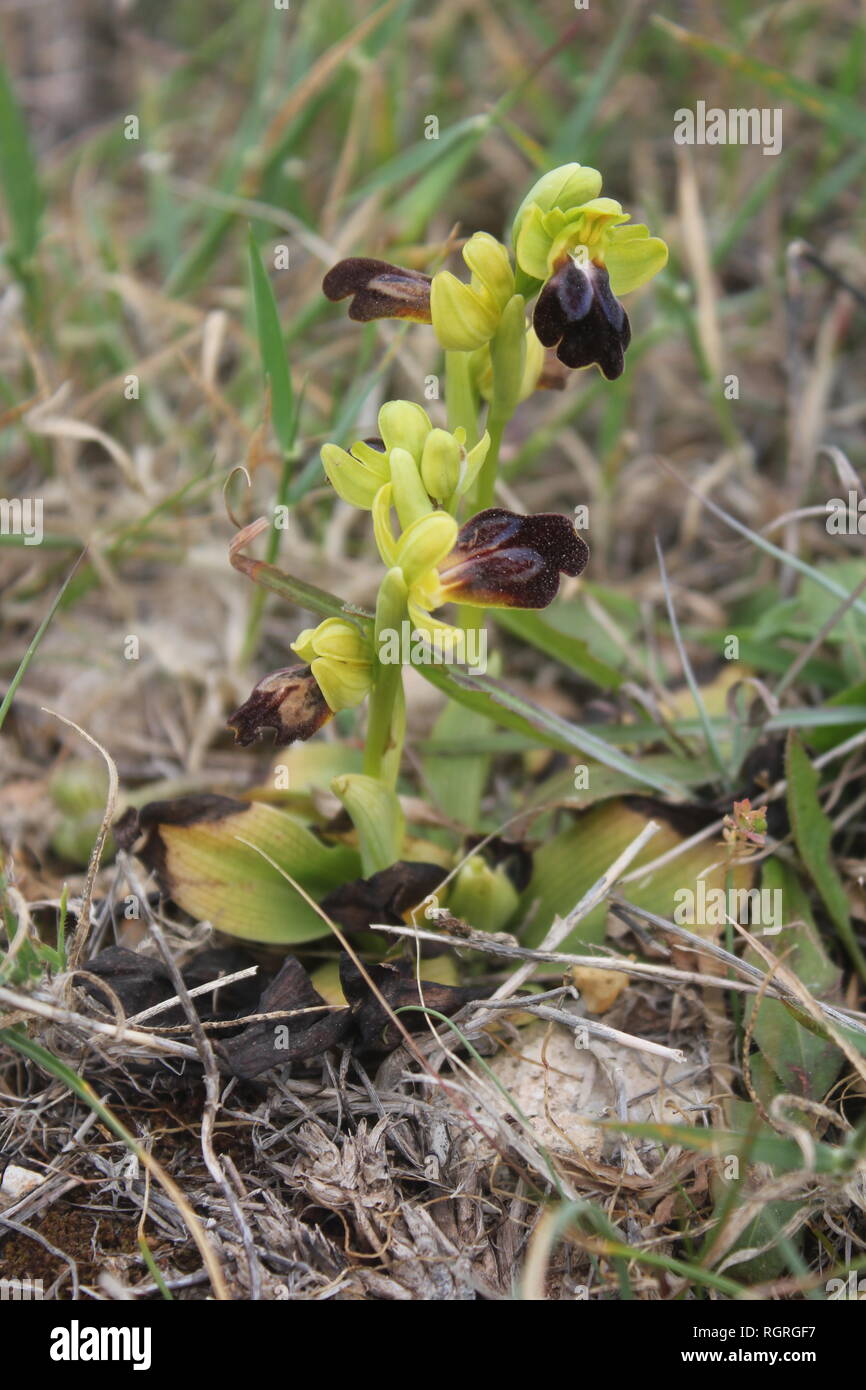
[20, 184]
[827, 106]
[35, 641]
[694, 688]
[284, 414]
[792, 561]
[503, 706]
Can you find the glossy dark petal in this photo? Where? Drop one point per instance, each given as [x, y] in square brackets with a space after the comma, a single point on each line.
[506, 560]
[566, 298]
[288, 701]
[595, 340]
[379, 290]
[578, 311]
[607, 302]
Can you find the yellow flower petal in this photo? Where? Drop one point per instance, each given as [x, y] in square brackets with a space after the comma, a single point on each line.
[408, 491]
[338, 638]
[385, 542]
[489, 262]
[351, 480]
[342, 683]
[425, 543]
[404, 425]
[632, 257]
[533, 244]
[464, 318]
[565, 188]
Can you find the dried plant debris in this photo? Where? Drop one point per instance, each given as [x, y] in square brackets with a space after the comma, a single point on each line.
[299, 1024]
[386, 897]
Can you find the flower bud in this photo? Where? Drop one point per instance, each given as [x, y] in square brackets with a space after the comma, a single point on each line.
[335, 637]
[483, 896]
[440, 465]
[340, 659]
[344, 684]
[463, 317]
[404, 425]
[491, 269]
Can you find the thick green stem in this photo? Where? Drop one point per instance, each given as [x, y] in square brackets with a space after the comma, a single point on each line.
[382, 727]
[386, 721]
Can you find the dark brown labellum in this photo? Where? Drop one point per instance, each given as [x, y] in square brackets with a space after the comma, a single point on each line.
[578, 314]
[511, 561]
[288, 701]
[379, 290]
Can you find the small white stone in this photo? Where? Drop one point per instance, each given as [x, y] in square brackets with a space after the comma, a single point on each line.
[17, 1182]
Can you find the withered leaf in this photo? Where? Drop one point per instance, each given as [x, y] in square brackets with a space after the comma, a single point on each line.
[262, 1046]
[398, 986]
[383, 897]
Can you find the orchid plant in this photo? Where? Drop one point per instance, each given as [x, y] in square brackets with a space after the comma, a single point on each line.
[574, 252]
[277, 866]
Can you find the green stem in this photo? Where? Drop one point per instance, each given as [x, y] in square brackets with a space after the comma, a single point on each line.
[485, 490]
[386, 710]
[272, 550]
[383, 744]
[460, 398]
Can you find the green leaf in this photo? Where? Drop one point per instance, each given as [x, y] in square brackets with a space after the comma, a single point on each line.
[18, 177]
[504, 707]
[207, 855]
[34, 643]
[803, 1064]
[571, 651]
[457, 780]
[566, 866]
[376, 815]
[783, 1155]
[829, 736]
[273, 351]
[813, 834]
